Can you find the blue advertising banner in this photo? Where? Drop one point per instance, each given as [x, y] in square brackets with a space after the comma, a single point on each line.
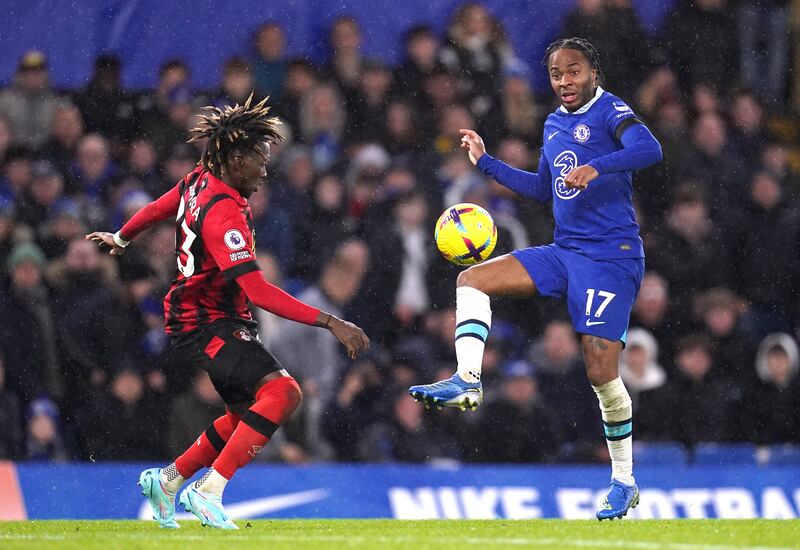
[418, 492]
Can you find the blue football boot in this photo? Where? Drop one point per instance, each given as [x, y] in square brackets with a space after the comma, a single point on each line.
[619, 500]
[453, 392]
[162, 504]
[207, 508]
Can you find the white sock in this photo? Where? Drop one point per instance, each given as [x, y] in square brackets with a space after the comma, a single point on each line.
[171, 480]
[473, 320]
[615, 404]
[212, 483]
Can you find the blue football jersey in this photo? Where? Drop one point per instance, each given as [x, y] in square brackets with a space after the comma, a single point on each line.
[598, 222]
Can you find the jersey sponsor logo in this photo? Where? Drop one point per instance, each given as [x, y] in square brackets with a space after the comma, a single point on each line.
[243, 335]
[243, 255]
[621, 107]
[551, 134]
[581, 133]
[567, 161]
[234, 239]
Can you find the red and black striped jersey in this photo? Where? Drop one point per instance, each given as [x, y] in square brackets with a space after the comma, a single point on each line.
[214, 244]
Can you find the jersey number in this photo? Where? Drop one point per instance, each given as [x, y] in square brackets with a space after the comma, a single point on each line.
[187, 269]
[607, 297]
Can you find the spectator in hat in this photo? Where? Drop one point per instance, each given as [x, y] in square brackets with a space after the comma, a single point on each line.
[769, 414]
[12, 437]
[45, 442]
[30, 103]
[639, 367]
[28, 330]
[517, 427]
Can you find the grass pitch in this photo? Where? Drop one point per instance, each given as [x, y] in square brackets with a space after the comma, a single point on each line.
[394, 534]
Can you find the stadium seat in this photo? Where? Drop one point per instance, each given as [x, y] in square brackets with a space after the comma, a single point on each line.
[784, 455]
[659, 454]
[725, 454]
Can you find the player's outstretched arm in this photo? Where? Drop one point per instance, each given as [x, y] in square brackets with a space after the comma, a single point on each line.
[275, 300]
[535, 186]
[160, 209]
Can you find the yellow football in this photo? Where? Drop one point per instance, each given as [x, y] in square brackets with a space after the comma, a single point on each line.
[465, 234]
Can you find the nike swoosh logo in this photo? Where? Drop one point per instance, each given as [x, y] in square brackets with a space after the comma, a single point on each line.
[256, 507]
[593, 323]
[550, 136]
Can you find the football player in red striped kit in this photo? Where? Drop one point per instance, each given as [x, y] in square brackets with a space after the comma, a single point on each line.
[207, 312]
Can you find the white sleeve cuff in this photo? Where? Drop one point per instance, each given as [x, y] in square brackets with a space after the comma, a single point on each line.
[119, 241]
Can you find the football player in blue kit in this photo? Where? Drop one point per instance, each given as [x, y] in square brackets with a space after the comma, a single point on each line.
[591, 145]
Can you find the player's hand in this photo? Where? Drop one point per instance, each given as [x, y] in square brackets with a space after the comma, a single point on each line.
[580, 177]
[106, 240]
[351, 337]
[472, 142]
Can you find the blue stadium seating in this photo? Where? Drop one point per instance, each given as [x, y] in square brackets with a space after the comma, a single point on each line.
[725, 454]
[659, 454]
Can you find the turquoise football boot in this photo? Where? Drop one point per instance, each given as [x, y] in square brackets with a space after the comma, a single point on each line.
[207, 508]
[161, 503]
[620, 499]
[453, 392]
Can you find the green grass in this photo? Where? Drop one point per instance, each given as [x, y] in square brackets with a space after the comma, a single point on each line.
[394, 534]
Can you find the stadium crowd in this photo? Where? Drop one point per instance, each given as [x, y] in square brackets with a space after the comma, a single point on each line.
[370, 159]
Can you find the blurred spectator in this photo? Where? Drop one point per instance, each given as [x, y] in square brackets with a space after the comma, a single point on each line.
[518, 426]
[30, 103]
[369, 103]
[359, 403]
[11, 437]
[691, 235]
[292, 189]
[17, 173]
[28, 330]
[694, 405]
[700, 44]
[406, 437]
[322, 124]
[107, 108]
[167, 125]
[301, 78]
[88, 317]
[45, 442]
[476, 49]
[764, 46]
[310, 353]
[270, 67]
[238, 83]
[345, 63]
[7, 215]
[720, 310]
[273, 227]
[65, 134]
[322, 228]
[639, 367]
[769, 414]
[653, 310]
[6, 137]
[749, 133]
[143, 167]
[36, 204]
[94, 173]
[768, 267]
[561, 377]
[64, 226]
[614, 29]
[192, 412]
[136, 433]
[421, 49]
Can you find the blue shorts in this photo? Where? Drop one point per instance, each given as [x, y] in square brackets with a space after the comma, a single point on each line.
[600, 293]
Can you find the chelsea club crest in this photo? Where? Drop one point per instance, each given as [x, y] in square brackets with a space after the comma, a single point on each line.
[581, 133]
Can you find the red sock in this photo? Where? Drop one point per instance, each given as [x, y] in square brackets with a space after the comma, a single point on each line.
[208, 446]
[275, 402]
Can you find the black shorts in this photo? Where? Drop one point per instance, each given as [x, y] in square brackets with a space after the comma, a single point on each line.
[229, 351]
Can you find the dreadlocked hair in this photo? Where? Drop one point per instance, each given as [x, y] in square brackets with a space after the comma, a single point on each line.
[237, 128]
[576, 43]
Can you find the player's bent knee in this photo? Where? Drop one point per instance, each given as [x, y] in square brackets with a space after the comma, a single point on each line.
[470, 277]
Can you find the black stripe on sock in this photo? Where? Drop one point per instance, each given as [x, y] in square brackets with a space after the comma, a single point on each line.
[617, 423]
[214, 438]
[619, 437]
[473, 334]
[260, 424]
[471, 321]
